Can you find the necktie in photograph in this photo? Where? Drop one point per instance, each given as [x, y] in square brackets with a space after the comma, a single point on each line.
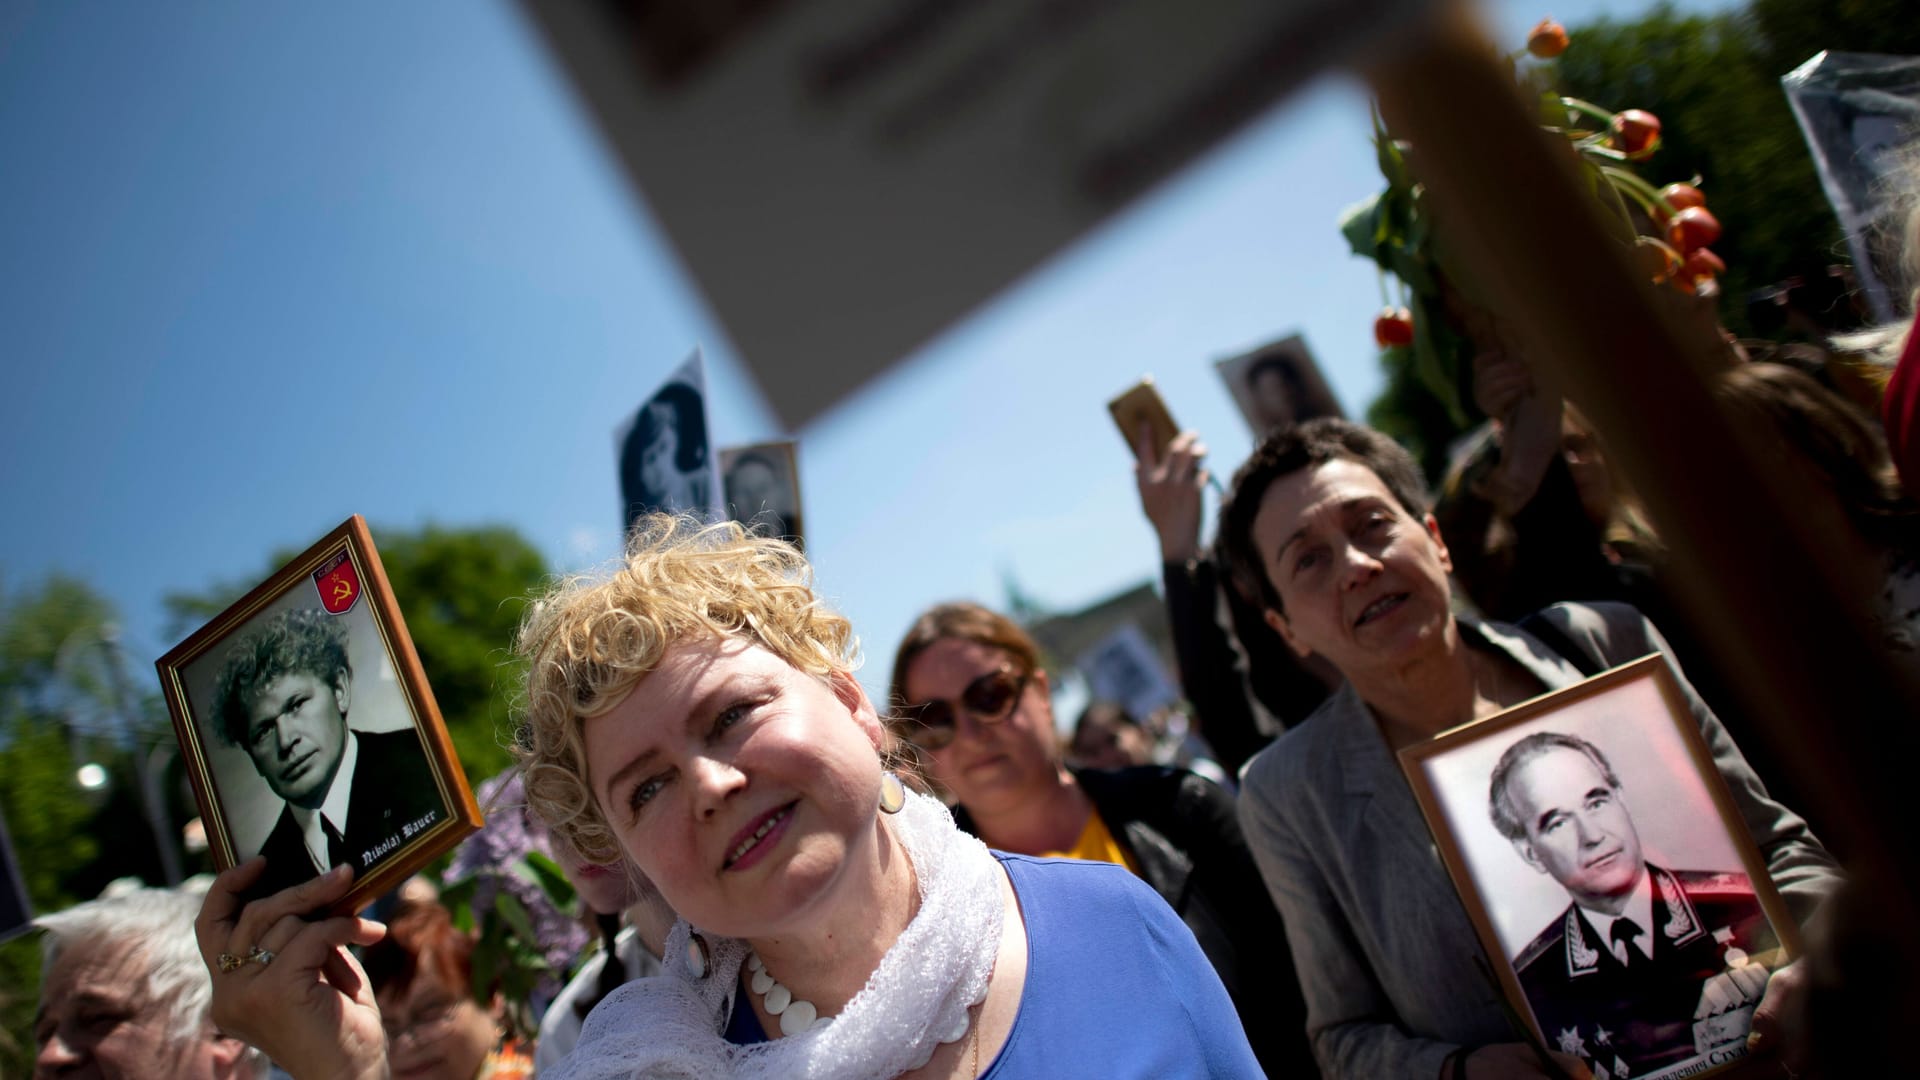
[1624, 931]
[337, 848]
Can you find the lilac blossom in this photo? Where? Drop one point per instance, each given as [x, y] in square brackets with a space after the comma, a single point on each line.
[489, 856]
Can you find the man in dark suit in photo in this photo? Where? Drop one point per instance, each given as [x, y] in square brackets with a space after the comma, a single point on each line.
[351, 796]
[1647, 967]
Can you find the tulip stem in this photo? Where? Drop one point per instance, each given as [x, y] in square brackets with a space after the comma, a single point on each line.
[1588, 108]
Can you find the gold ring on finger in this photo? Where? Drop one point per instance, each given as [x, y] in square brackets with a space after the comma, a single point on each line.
[229, 962]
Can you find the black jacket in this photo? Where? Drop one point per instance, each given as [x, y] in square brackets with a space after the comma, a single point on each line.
[393, 796]
[1224, 668]
[1183, 834]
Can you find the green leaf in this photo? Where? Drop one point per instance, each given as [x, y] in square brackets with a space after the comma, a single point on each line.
[1359, 223]
[546, 874]
[514, 914]
[457, 898]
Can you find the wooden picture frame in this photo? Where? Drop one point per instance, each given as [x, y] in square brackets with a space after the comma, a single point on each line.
[307, 679]
[1638, 814]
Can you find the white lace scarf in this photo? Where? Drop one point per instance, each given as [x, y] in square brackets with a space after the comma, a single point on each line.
[670, 1025]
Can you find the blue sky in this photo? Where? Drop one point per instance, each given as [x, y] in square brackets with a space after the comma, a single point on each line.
[264, 266]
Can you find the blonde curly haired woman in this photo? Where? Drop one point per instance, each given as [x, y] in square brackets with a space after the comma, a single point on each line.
[697, 711]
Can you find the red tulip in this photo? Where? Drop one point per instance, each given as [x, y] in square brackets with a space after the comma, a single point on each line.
[1692, 229]
[1703, 263]
[1636, 133]
[1547, 40]
[1677, 197]
[1393, 327]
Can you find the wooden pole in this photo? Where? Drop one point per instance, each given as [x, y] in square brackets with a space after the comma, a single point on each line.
[1777, 585]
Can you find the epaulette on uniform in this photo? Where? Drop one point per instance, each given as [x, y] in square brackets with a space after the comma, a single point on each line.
[1546, 940]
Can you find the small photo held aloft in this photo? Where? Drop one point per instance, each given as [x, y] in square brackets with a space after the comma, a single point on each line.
[1140, 412]
[763, 489]
[666, 452]
[309, 731]
[1594, 844]
[762, 484]
[1277, 384]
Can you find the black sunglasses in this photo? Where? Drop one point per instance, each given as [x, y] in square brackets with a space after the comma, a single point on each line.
[931, 725]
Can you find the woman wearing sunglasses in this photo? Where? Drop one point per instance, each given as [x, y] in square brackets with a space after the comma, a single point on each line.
[697, 712]
[978, 712]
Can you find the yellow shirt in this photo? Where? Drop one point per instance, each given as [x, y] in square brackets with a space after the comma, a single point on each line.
[1096, 844]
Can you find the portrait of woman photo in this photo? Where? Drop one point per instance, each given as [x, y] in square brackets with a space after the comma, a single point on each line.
[664, 460]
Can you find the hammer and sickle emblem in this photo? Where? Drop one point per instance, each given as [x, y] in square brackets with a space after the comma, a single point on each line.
[341, 589]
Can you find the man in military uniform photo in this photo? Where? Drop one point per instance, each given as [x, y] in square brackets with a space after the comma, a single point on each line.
[1648, 967]
[351, 796]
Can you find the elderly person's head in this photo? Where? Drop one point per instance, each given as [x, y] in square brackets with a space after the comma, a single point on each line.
[697, 711]
[124, 993]
[1556, 798]
[1327, 529]
[422, 977]
[972, 699]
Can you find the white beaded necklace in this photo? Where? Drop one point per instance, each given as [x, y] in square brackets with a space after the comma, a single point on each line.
[796, 1015]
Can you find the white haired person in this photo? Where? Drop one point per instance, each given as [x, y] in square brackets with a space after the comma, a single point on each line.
[697, 712]
[124, 993]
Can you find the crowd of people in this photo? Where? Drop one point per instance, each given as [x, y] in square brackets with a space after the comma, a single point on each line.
[787, 878]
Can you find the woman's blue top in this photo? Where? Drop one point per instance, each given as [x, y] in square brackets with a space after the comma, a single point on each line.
[1116, 985]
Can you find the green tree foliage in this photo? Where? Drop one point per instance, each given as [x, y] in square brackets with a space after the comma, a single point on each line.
[46, 636]
[1793, 30]
[461, 592]
[43, 633]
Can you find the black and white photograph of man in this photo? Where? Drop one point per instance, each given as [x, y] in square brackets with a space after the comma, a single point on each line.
[1277, 384]
[763, 488]
[282, 691]
[1647, 966]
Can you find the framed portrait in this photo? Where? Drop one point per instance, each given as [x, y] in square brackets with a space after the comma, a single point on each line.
[309, 731]
[1277, 383]
[1628, 914]
[762, 488]
[666, 450]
